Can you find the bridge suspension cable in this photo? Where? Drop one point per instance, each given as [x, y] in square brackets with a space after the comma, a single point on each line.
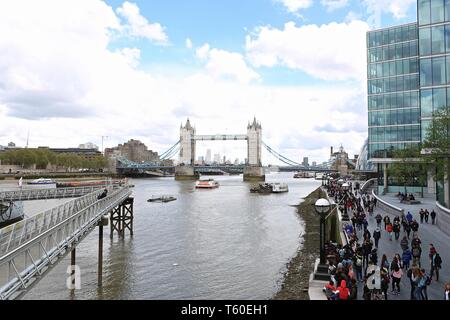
[280, 156]
[163, 156]
[171, 154]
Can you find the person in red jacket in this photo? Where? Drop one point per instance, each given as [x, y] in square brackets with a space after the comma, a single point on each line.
[389, 230]
[343, 292]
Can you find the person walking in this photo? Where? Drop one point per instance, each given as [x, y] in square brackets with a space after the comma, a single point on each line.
[433, 217]
[420, 280]
[422, 215]
[436, 264]
[358, 263]
[396, 229]
[396, 275]
[427, 214]
[378, 218]
[389, 230]
[386, 220]
[424, 292]
[447, 292]
[416, 253]
[404, 243]
[406, 258]
[407, 228]
[385, 280]
[411, 274]
[377, 236]
[409, 217]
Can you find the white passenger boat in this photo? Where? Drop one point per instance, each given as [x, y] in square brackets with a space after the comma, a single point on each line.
[42, 181]
[206, 184]
[278, 187]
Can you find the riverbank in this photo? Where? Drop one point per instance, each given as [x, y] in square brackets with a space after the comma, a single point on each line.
[296, 278]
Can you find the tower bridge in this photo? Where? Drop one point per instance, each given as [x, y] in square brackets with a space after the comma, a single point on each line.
[185, 147]
[253, 169]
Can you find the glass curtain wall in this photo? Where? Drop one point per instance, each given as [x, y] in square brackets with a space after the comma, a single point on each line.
[393, 88]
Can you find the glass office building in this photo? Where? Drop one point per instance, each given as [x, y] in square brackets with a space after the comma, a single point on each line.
[434, 56]
[408, 79]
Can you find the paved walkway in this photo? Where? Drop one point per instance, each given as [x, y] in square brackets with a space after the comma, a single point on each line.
[428, 233]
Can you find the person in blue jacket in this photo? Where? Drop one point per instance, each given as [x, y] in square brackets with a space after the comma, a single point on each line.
[406, 258]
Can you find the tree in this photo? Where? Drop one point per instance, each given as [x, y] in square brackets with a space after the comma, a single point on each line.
[408, 168]
[437, 143]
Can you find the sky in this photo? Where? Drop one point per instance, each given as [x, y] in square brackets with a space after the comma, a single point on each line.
[72, 71]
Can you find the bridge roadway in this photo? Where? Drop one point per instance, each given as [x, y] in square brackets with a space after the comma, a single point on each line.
[30, 248]
[48, 193]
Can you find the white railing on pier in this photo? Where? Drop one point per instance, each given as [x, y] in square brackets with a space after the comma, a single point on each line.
[29, 248]
[53, 193]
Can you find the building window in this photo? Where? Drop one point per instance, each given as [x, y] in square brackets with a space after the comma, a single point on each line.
[424, 12]
[438, 40]
[426, 78]
[425, 41]
[426, 103]
[437, 11]
[447, 10]
[438, 71]
[439, 99]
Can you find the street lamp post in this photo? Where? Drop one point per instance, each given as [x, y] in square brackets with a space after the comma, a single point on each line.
[345, 187]
[322, 207]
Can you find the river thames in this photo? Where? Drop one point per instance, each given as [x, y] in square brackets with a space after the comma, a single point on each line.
[225, 243]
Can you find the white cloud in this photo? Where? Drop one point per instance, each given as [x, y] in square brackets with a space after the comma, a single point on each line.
[352, 16]
[398, 8]
[296, 5]
[221, 63]
[60, 80]
[139, 26]
[334, 4]
[336, 51]
[188, 43]
[131, 56]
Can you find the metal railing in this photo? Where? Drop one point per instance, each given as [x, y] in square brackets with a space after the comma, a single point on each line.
[368, 184]
[30, 248]
[387, 207]
[53, 193]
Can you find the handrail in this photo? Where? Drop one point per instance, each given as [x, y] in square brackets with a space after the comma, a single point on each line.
[387, 207]
[48, 244]
[367, 184]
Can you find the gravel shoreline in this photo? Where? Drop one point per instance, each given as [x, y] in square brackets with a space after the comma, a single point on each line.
[296, 277]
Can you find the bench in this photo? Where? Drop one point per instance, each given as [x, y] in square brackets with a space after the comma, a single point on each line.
[410, 201]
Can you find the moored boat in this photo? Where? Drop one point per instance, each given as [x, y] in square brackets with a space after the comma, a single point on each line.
[162, 199]
[278, 187]
[71, 184]
[206, 184]
[42, 181]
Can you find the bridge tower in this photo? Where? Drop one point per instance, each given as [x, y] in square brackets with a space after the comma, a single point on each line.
[185, 170]
[253, 170]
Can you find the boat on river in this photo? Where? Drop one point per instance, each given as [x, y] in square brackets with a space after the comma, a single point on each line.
[206, 184]
[71, 184]
[42, 181]
[278, 187]
[163, 199]
[265, 188]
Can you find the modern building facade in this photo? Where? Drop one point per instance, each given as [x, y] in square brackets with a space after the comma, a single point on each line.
[408, 78]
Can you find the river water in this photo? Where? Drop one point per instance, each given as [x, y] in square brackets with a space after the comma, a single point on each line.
[225, 243]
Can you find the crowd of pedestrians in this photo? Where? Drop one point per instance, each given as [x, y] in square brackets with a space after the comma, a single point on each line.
[359, 261]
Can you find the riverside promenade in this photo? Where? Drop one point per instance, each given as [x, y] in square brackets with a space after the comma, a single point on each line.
[428, 233]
